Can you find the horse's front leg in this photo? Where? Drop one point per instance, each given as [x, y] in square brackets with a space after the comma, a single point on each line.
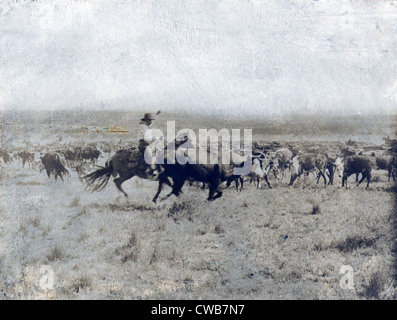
[160, 187]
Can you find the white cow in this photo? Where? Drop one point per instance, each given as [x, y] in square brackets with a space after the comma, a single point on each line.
[306, 163]
[338, 167]
[283, 158]
[334, 166]
[258, 173]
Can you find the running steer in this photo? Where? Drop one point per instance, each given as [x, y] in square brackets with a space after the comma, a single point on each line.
[358, 164]
[52, 164]
[308, 162]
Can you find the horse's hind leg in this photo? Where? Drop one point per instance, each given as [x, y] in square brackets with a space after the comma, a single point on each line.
[167, 181]
[118, 181]
[177, 187]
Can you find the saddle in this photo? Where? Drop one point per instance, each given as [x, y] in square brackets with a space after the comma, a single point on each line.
[134, 156]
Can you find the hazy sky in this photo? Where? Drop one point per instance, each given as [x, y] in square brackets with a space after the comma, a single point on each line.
[247, 56]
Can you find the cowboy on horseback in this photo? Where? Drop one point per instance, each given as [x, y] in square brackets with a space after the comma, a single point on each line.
[150, 143]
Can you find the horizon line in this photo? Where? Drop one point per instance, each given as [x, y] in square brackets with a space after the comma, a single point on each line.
[206, 113]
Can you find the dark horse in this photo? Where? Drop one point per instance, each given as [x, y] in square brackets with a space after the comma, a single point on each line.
[124, 165]
[129, 163]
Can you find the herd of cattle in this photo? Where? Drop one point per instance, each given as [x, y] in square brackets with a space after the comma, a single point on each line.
[54, 163]
[325, 166]
[272, 160]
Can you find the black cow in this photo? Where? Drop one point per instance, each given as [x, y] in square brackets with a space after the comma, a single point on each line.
[217, 176]
[72, 158]
[88, 153]
[70, 155]
[347, 152]
[53, 165]
[358, 164]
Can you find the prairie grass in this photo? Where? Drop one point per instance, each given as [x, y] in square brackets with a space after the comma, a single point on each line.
[280, 243]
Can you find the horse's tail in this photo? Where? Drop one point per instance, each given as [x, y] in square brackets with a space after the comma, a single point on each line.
[102, 175]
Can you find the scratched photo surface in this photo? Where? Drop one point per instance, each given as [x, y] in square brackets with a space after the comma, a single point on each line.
[80, 213]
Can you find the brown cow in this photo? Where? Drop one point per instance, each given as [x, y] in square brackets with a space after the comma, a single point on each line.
[26, 157]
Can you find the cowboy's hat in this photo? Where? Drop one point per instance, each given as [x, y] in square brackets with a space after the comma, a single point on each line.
[147, 117]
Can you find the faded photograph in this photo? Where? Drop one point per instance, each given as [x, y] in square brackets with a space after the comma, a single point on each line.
[198, 150]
